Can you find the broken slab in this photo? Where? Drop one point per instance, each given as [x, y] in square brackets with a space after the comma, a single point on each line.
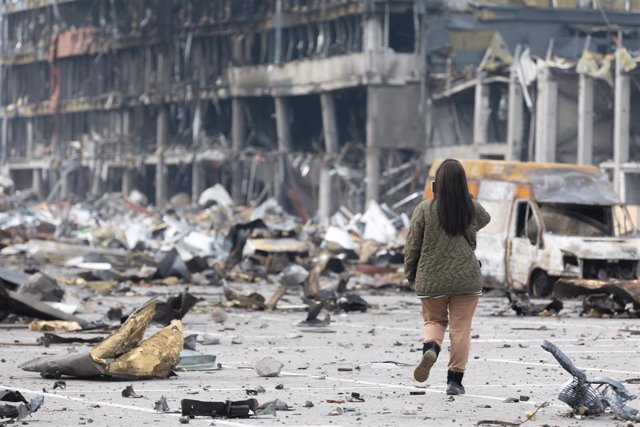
[26, 305]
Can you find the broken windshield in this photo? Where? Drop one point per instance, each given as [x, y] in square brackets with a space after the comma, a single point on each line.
[577, 220]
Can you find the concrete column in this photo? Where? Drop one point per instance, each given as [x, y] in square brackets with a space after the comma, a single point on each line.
[37, 185]
[480, 112]
[373, 32]
[546, 118]
[30, 142]
[125, 141]
[585, 120]
[161, 143]
[372, 40]
[198, 180]
[621, 109]
[284, 145]
[65, 184]
[330, 130]
[4, 140]
[514, 118]
[373, 151]
[196, 125]
[238, 138]
[127, 181]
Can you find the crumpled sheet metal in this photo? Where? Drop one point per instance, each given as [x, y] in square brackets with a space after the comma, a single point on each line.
[122, 355]
[595, 393]
[128, 336]
[626, 289]
[155, 357]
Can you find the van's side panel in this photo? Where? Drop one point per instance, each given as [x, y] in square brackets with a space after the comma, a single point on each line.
[496, 197]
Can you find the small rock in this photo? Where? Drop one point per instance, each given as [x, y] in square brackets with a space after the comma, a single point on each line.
[270, 409]
[524, 398]
[236, 340]
[308, 404]
[277, 404]
[161, 405]
[279, 387]
[268, 367]
[511, 400]
[337, 411]
[184, 420]
[409, 410]
[218, 315]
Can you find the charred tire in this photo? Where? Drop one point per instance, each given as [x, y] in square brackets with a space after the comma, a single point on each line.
[541, 284]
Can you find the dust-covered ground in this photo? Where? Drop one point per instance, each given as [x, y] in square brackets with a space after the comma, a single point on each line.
[370, 353]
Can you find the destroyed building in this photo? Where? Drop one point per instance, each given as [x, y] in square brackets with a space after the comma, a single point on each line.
[320, 103]
[284, 98]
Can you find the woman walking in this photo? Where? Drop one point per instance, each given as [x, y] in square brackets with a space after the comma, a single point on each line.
[441, 265]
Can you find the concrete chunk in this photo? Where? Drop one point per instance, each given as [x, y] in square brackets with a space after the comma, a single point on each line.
[268, 367]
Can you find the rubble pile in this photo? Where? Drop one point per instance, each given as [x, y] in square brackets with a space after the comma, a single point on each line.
[108, 246]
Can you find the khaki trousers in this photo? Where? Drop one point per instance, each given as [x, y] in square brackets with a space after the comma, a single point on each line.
[456, 311]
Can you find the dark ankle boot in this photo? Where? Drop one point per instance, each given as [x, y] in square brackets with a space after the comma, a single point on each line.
[454, 383]
[430, 351]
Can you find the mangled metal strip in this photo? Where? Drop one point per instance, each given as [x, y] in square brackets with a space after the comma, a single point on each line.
[127, 336]
[626, 289]
[580, 393]
[155, 357]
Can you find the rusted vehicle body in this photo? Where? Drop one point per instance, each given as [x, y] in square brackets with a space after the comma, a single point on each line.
[549, 222]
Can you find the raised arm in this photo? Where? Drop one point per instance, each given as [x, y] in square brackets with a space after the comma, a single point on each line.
[482, 216]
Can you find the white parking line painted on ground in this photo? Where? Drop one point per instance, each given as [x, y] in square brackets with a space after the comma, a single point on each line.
[110, 404]
[549, 365]
[403, 387]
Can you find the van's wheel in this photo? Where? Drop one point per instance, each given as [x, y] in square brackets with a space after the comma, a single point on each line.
[541, 284]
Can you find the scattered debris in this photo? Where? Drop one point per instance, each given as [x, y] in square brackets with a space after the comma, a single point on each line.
[521, 304]
[60, 384]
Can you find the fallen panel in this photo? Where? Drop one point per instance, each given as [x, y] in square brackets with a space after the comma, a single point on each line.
[26, 305]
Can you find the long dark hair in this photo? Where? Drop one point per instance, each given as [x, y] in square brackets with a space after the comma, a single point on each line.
[453, 201]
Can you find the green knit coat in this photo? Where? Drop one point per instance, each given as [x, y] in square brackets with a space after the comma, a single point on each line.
[438, 264]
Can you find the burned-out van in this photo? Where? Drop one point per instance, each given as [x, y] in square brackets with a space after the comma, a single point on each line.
[549, 221]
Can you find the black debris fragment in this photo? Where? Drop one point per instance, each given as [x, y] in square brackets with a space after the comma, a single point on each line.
[174, 308]
[60, 384]
[226, 409]
[49, 338]
[24, 407]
